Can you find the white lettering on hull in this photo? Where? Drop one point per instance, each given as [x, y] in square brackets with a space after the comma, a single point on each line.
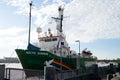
[36, 53]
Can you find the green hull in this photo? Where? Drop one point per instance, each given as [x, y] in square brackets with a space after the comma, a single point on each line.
[31, 59]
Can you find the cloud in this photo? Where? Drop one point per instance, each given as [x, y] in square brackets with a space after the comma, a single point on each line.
[22, 5]
[89, 20]
[12, 35]
[12, 38]
[11, 31]
[93, 20]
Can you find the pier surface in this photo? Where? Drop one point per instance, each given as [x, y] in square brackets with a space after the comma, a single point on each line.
[116, 78]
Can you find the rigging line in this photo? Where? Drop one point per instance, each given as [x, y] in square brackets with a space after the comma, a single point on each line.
[13, 53]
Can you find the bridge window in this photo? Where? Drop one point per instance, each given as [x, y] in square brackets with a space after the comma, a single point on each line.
[49, 39]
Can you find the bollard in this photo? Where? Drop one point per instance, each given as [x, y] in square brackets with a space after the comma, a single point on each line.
[109, 76]
[2, 70]
[119, 67]
[49, 73]
[110, 71]
[96, 73]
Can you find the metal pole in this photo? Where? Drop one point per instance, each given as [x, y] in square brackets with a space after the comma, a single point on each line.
[9, 74]
[79, 48]
[78, 58]
[61, 57]
[29, 23]
[79, 45]
[61, 19]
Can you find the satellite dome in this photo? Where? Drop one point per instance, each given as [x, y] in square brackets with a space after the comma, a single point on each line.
[39, 30]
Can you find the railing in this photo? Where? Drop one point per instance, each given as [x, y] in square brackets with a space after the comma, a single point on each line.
[91, 73]
[27, 74]
[74, 74]
[2, 70]
[52, 74]
[23, 74]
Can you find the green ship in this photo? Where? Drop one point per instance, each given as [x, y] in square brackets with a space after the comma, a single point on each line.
[53, 50]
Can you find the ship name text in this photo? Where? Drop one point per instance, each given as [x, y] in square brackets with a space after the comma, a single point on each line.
[36, 53]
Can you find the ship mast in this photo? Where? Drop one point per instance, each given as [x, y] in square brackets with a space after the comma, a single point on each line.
[59, 20]
[29, 23]
[60, 9]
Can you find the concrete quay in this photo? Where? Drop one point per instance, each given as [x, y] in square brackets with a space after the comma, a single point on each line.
[116, 78]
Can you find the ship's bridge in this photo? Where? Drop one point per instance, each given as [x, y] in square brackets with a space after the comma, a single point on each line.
[48, 42]
[49, 39]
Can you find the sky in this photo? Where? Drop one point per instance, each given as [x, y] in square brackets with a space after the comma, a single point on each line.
[96, 23]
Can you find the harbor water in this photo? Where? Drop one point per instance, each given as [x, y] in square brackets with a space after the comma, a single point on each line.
[12, 65]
